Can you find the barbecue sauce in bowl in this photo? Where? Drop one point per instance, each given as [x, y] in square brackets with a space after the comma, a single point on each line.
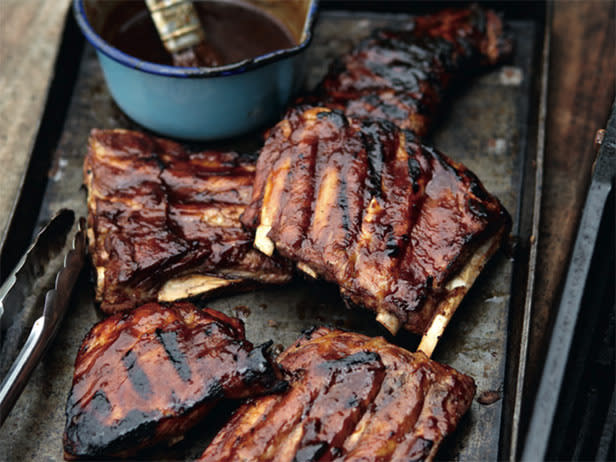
[235, 30]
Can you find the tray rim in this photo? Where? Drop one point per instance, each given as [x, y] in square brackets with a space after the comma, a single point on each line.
[517, 419]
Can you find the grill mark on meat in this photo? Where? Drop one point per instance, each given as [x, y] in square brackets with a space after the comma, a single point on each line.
[268, 434]
[326, 423]
[406, 65]
[446, 164]
[256, 364]
[420, 446]
[301, 189]
[344, 205]
[177, 357]
[374, 434]
[136, 375]
[357, 202]
[337, 118]
[319, 202]
[414, 173]
[328, 220]
[374, 151]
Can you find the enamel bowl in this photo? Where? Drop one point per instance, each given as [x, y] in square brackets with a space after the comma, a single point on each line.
[199, 103]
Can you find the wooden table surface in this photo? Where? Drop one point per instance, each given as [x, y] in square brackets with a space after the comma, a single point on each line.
[581, 92]
[30, 31]
[581, 82]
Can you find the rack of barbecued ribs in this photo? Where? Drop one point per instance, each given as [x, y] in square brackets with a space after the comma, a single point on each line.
[149, 375]
[402, 73]
[163, 223]
[402, 229]
[351, 398]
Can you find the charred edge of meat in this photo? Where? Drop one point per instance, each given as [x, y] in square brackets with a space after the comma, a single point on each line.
[99, 420]
[262, 370]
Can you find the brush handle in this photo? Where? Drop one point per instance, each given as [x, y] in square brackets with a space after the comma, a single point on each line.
[177, 24]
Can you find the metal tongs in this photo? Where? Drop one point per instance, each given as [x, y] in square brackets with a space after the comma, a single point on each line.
[18, 287]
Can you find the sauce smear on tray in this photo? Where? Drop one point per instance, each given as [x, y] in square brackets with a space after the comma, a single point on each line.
[236, 30]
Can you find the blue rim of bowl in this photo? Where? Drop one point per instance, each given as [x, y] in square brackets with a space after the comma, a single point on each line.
[188, 72]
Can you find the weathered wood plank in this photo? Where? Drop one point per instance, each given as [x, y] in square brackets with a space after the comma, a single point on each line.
[30, 31]
[581, 91]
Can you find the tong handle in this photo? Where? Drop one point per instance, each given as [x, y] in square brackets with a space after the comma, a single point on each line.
[45, 328]
[22, 368]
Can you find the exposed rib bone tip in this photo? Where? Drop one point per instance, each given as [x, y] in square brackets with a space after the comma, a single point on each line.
[458, 287]
[191, 285]
[389, 321]
[432, 336]
[262, 242]
[307, 269]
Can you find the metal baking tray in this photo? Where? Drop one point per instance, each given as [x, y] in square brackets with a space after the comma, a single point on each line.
[493, 123]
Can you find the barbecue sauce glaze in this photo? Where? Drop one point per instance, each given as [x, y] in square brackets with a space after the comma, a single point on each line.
[364, 205]
[235, 30]
[158, 211]
[151, 374]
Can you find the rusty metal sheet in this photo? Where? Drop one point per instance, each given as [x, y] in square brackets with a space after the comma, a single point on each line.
[484, 126]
